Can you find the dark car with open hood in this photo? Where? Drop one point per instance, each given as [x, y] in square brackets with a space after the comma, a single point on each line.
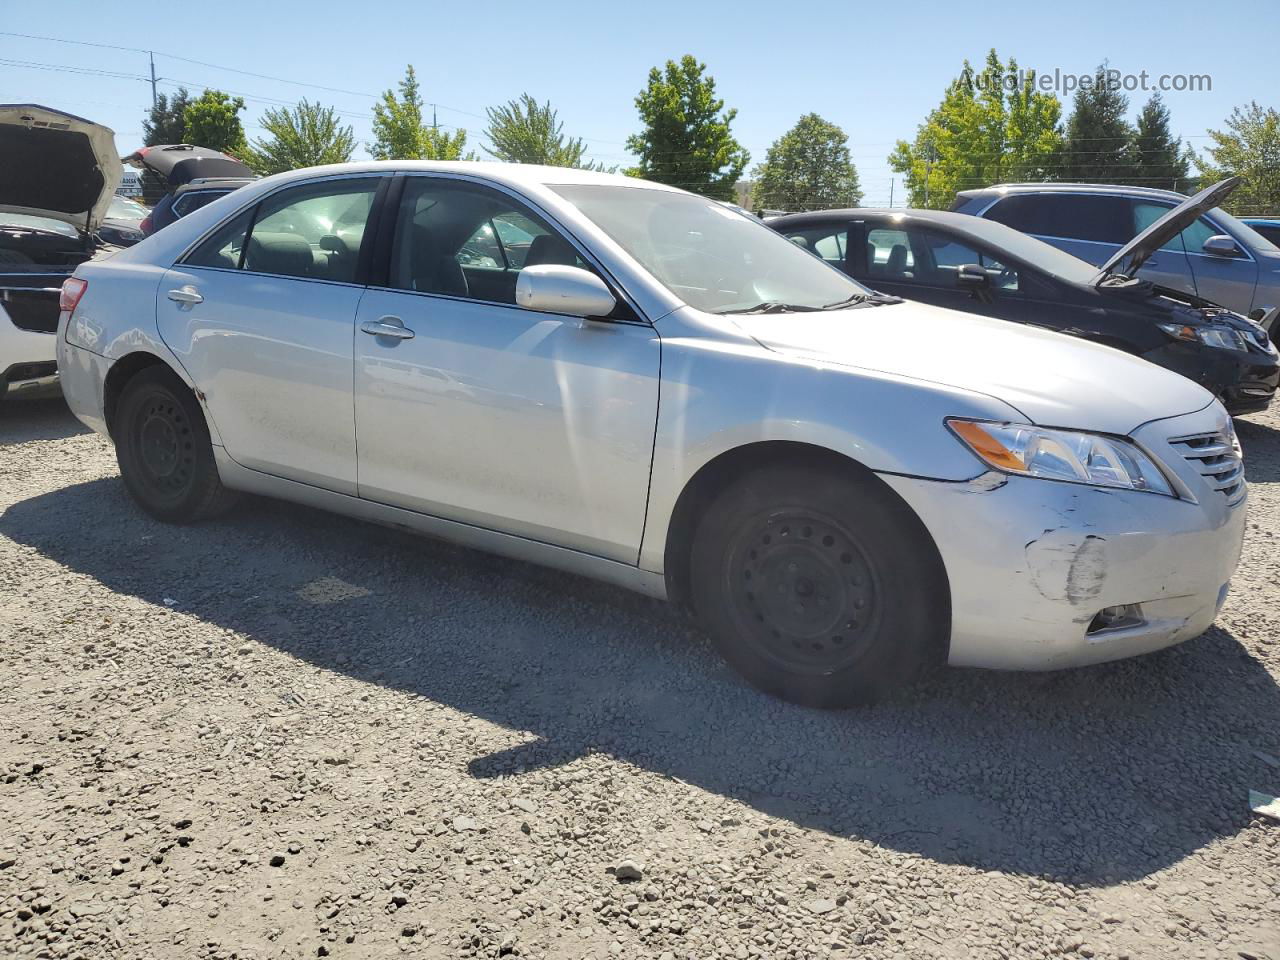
[180, 178]
[980, 266]
[56, 183]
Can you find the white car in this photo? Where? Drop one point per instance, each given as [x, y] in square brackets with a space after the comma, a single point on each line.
[640, 385]
[57, 178]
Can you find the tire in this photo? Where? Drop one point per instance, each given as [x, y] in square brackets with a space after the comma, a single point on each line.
[819, 587]
[164, 451]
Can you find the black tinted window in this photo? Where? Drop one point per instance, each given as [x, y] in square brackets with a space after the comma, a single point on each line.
[826, 241]
[1072, 216]
[191, 202]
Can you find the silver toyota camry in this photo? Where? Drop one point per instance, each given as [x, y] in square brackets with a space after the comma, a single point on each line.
[634, 383]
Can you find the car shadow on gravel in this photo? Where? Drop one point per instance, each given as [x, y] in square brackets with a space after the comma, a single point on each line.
[1261, 445]
[1091, 776]
[23, 420]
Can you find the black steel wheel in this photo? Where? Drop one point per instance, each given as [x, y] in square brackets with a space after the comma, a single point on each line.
[820, 586]
[163, 448]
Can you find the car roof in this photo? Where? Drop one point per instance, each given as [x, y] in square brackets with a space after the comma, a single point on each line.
[1112, 189]
[961, 222]
[213, 183]
[510, 174]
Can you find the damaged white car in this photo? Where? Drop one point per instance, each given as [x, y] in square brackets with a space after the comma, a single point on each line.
[637, 384]
[57, 178]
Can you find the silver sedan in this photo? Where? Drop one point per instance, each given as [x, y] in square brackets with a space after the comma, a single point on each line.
[634, 383]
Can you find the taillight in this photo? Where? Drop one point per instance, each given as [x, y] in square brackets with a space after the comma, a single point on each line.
[145, 225]
[73, 289]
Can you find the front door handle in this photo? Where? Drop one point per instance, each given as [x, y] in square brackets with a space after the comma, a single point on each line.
[387, 327]
[187, 295]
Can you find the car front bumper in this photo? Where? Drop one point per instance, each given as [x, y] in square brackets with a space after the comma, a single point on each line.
[1033, 563]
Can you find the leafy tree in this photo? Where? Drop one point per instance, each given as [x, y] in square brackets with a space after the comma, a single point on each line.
[1249, 148]
[1159, 158]
[306, 136]
[400, 133]
[524, 131]
[213, 121]
[686, 139]
[1099, 138]
[990, 127]
[808, 168]
[166, 120]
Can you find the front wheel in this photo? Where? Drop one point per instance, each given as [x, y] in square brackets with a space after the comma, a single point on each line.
[820, 588]
[164, 451]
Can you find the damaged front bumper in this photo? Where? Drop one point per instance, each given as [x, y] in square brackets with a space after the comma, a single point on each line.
[1046, 575]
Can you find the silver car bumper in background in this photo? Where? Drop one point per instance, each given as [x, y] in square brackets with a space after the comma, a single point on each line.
[1046, 574]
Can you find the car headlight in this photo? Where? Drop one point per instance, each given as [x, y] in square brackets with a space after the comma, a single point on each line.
[1070, 455]
[1225, 338]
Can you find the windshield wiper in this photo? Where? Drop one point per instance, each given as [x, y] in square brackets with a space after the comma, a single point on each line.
[773, 306]
[873, 298]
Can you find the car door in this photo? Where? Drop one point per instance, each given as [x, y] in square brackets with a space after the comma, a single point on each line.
[261, 315]
[471, 408]
[1230, 280]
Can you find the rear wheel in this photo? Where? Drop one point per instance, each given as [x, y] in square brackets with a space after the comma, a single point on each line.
[820, 588]
[164, 451]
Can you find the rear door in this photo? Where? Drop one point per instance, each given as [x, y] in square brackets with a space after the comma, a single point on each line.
[261, 315]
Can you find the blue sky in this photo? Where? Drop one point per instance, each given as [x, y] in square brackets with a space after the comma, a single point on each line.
[874, 69]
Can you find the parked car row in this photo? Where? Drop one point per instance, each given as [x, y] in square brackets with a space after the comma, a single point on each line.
[655, 390]
[980, 265]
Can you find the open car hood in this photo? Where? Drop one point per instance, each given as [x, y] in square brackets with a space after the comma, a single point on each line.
[1129, 259]
[56, 165]
[177, 164]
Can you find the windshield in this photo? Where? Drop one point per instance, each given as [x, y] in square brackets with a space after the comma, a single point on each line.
[1033, 252]
[122, 208]
[711, 257]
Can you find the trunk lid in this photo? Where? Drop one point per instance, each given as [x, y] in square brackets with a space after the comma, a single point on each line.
[56, 165]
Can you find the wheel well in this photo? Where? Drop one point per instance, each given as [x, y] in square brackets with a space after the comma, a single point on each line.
[121, 372]
[716, 475]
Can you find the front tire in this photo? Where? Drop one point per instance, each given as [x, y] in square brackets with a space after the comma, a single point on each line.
[164, 451]
[819, 587]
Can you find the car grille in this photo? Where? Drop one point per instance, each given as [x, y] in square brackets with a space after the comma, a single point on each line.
[1217, 458]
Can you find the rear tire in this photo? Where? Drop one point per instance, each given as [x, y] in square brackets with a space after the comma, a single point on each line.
[164, 451]
[819, 587]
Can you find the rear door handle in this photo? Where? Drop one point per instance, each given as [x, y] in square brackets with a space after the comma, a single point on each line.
[387, 327]
[187, 294]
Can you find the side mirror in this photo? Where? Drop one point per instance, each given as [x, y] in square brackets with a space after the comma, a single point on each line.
[972, 275]
[554, 288]
[1220, 245]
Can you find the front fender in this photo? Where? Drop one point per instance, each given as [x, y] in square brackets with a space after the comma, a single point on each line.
[721, 391]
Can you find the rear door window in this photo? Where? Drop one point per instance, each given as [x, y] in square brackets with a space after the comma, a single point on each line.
[1072, 216]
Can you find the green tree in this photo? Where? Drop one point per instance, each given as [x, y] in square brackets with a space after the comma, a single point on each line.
[525, 131]
[166, 120]
[305, 136]
[808, 168]
[1249, 147]
[401, 134]
[1159, 158]
[1099, 147]
[686, 139]
[213, 121]
[991, 126]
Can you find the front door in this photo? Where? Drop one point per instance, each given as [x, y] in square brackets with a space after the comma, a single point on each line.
[473, 409]
[261, 316]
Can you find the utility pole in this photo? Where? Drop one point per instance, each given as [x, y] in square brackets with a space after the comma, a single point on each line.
[928, 170]
[891, 179]
[152, 56]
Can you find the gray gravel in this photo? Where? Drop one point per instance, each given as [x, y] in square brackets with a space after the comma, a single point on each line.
[286, 734]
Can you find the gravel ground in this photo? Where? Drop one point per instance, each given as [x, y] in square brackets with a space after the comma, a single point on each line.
[286, 734]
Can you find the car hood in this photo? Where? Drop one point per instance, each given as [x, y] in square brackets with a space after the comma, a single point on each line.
[1130, 258]
[56, 165]
[1053, 379]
